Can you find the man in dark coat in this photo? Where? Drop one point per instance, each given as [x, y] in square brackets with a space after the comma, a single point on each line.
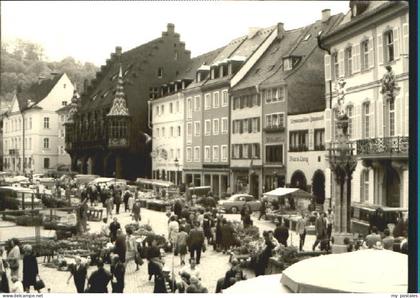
[30, 268]
[117, 199]
[263, 209]
[178, 208]
[378, 220]
[99, 279]
[265, 255]
[320, 229]
[120, 247]
[227, 233]
[118, 275]
[113, 228]
[79, 273]
[195, 242]
[281, 233]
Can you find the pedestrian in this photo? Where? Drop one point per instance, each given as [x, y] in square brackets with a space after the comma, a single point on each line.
[118, 275]
[79, 272]
[301, 231]
[196, 242]
[207, 225]
[113, 228]
[388, 240]
[117, 198]
[173, 229]
[130, 201]
[159, 282]
[320, 230]
[125, 200]
[378, 220]
[105, 227]
[218, 233]
[401, 227]
[30, 269]
[181, 245]
[4, 281]
[136, 211]
[16, 286]
[330, 223]
[109, 202]
[373, 238]
[154, 257]
[189, 271]
[13, 258]
[178, 208]
[263, 209]
[99, 279]
[227, 233]
[82, 216]
[131, 246]
[120, 246]
[265, 255]
[281, 233]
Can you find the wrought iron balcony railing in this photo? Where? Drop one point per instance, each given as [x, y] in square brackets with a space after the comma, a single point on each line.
[274, 128]
[387, 145]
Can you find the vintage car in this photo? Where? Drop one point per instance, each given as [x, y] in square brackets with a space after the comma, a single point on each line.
[235, 203]
[14, 198]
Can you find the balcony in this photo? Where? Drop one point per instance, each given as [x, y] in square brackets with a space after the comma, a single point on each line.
[14, 152]
[383, 147]
[274, 128]
[298, 148]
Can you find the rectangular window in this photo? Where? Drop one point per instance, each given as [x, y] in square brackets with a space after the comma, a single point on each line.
[172, 131]
[157, 110]
[197, 128]
[336, 67]
[207, 101]
[189, 154]
[236, 151]
[319, 139]
[348, 61]
[189, 129]
[46, 143]
[274, 153]
[207, 127]
[189, 107]
[171, 108]
[350, 114]
[224, 153]
[236, 103]
[179, 131]
[389, 46]
[197, 103]
[224, 125]
[46, 163]
[298, 140]
[225, 100]
[274, 120]
[364, 54]
[216, 99]
[162, 109]
[392, 118]
[215, 153]
[46, 122]
[215, 126]
[163, 131]
[256, 150]
[158, 132]
[178, 153]
[207, 153]
[197, 153]
[366, 120]
[245, 151]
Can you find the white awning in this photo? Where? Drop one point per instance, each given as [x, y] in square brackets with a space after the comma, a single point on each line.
[156, 182]
[283, 191]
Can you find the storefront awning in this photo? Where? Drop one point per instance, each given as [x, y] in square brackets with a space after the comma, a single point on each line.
[283, 191]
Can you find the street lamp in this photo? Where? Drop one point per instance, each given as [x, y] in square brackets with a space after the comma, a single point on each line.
[176, 161]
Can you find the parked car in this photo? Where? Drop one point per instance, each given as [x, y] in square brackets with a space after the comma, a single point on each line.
[235, 203]
[11, 198]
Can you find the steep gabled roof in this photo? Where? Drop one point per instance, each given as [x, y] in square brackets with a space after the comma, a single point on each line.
[36, 92]
[270, 60]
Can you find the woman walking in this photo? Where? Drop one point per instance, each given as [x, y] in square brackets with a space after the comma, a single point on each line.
[13, 258]
[30, 269]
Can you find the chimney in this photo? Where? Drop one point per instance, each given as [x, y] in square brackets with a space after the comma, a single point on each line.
[325, 16]
[280, 30]
[170, 28]
[118, 51]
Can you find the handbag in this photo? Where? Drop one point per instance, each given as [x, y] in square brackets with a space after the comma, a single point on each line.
[39, 284]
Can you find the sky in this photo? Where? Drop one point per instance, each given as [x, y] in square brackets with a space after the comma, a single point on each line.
[90, 30]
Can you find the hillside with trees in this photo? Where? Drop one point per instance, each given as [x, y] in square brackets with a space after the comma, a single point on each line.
[23, 62]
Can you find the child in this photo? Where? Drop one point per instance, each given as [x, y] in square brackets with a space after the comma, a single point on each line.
[17, 286]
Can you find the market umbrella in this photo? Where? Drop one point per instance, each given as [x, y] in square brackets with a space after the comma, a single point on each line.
[264, 284]
[362, 271]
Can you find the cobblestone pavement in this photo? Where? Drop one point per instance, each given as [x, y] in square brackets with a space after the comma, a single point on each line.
[213, 265]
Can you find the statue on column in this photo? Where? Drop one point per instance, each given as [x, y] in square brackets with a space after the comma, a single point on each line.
[341, 93]
[389, 86]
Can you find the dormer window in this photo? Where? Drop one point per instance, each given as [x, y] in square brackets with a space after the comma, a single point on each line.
[287, 64]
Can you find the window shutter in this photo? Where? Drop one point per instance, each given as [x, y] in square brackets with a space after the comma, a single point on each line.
[341, 63]
[372, 121]
[257, 150]
[311, 139]
[406, 45]
[327, 65]
[370, 55]
[240, 151]
[241, 126]
[396, 35]
[249, 125]
[328, 125]
[250, 151]
[380, 50]
[398, 116]
[258, 124]
[234, 103]
[380, 113]
[358, 122]
[356, 58]
[407, 116]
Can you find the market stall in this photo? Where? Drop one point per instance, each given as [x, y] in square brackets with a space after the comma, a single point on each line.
[287, 204]
[155, 194]
[362, 271]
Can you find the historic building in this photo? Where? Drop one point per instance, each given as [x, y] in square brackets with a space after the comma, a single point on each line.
[369, 52]
[31, 126]
[109, 135]
[63, 158]
[285, 81]
[168, 119]
[307, 166]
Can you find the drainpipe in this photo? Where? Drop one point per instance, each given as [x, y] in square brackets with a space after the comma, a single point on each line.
[329, 53]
